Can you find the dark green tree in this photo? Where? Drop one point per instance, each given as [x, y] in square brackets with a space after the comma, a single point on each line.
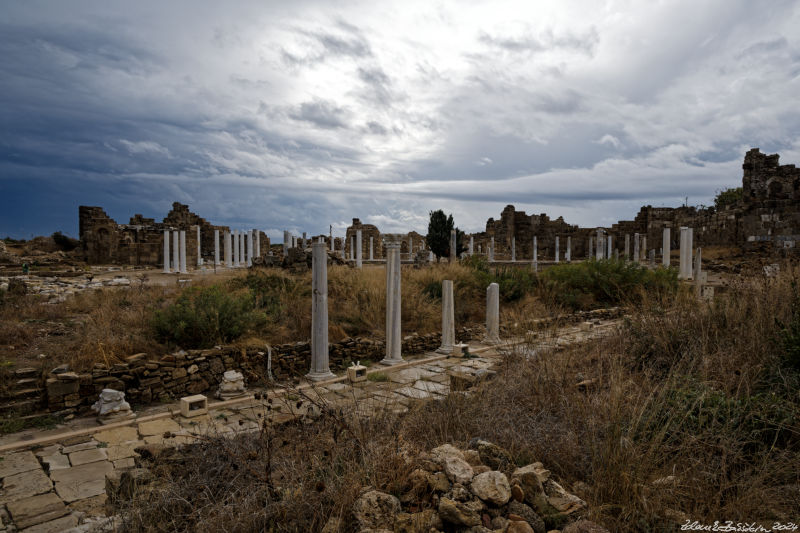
[438, 238]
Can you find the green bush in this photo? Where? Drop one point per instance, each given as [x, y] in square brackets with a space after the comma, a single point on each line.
[514, 282]
[605, 282]
[728, 197]
[205, 316]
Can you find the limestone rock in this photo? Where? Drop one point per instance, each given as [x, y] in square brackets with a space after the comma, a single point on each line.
[528, 515]
[472, 457]
[232, 385]
[492, 487]
[460, 513]
[112, 407]
[457, 469]
[527, 478]
[36, 509]
[439, 453]
[491, 454]
[414, 522]
[519, 527]
[562, 500]
[438, 482]
[375, 509]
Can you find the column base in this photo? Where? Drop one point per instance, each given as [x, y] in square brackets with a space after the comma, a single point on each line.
[392, 362]
[491, 340]
[445, 349]
[320, 376]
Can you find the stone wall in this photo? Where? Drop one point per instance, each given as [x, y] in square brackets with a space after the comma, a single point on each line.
[145, 379]
[367, 231]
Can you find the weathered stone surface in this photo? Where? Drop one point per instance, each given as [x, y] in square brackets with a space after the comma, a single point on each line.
[159, 427]
[491, 454]
[527, 514]
[519, 527]
[87, 456]
[457, 469]
[88, 445]
[94, 506]
[82, 481]
[562, 500]
[14, 463]
[375, 509]
[54, 526]
[491, 487]
[56, 461]
[122, 451]
[460, 513]
[36, 509]
[472, 457]
[117, 435]
[415, 522]
[439, 453]
[528, 478]
[24, 485]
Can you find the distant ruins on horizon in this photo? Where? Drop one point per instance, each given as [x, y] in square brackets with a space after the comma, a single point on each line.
[767, 215]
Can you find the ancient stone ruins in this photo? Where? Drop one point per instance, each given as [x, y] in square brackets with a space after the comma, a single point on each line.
[766, 216]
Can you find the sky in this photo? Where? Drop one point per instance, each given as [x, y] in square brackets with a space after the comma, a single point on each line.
[304, 114]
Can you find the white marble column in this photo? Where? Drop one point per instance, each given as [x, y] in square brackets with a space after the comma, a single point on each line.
[448, 318]
[513, 249]
[665, 247]
[644, 247]
[250, 248]
[333, 243]
[166, 252]
[227, 249]
[600, 245]
[698, 272]
[394, 339]
[304, 240]
[235, 248]
[492, 314]
[453, 256]
[358, 248]
[491, 250]
[199, 251]
[176, 251]
[535, 254]
[610, 241]
[320, 368]
[258, 242]
[471, 245]
[352, 247]
[685, 271]
[242, 239]
[371, 249]
[557, 250]
[411, 247]
[568, 253]
[183, 252]
[591, 247]
[636, 254]
[216, 247]
[286, 243]
[627, 246]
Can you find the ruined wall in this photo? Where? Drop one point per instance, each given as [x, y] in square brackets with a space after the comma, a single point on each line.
[367, 231]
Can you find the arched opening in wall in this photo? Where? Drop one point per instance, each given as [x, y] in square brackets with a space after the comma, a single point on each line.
[775, 190]
[102, 252]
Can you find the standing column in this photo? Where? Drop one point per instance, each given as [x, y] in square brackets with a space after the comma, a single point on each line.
[535, 254]
[492, 314]
[665, 247]
[183, 252]
[394, 339]
[471, 245]
[358, 248]
[344, 241]
[698, 273]
[216, 247]
[491, 250]
[453, 245]
[591, 247]
[352, 247]
[557, 251]
[569, 250]
[600, 244]
[166, 252]
[371, 254]
[411, 247]
[176, 251]
[258, 242]
[448, 318]
[636, 254]
[235, 243]
[228, 250]
[250, 248]
[627, 246]
[304, 240]
[320, 368]
[644, 247]
[513, 249]
[199, 254]
[610, 241]
[286, 243]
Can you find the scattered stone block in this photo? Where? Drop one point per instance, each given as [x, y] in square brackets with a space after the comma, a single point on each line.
[232, 385]
[36, 509]
[194, 405]
[57, 461]
[112, 407]
[14, 463]
[80, 482]
[87, 456]
[25, 485]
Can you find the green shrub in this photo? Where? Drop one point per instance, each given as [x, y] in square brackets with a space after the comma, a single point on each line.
[266, 289]
[728, 197]
[204, 316]
[514, 282]
[605, 282]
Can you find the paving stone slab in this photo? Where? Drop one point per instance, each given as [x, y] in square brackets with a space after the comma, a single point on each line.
[88, 445]
[14, 463]
[415, 394]
[94, 506]
[24, 485]
[158, 427]
[410, 375]
[56, 461]
[48, 450]
[71, 441]
[121, 464]
[82, 481]
[37, 509]
[54, 526]
[87, 456]
[430, 386]
[123, 451]
[117, 435]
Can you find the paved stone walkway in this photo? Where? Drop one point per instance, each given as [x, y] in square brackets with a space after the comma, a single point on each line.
[57, 482]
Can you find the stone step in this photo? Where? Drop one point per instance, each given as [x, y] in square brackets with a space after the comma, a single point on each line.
[26, 393]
